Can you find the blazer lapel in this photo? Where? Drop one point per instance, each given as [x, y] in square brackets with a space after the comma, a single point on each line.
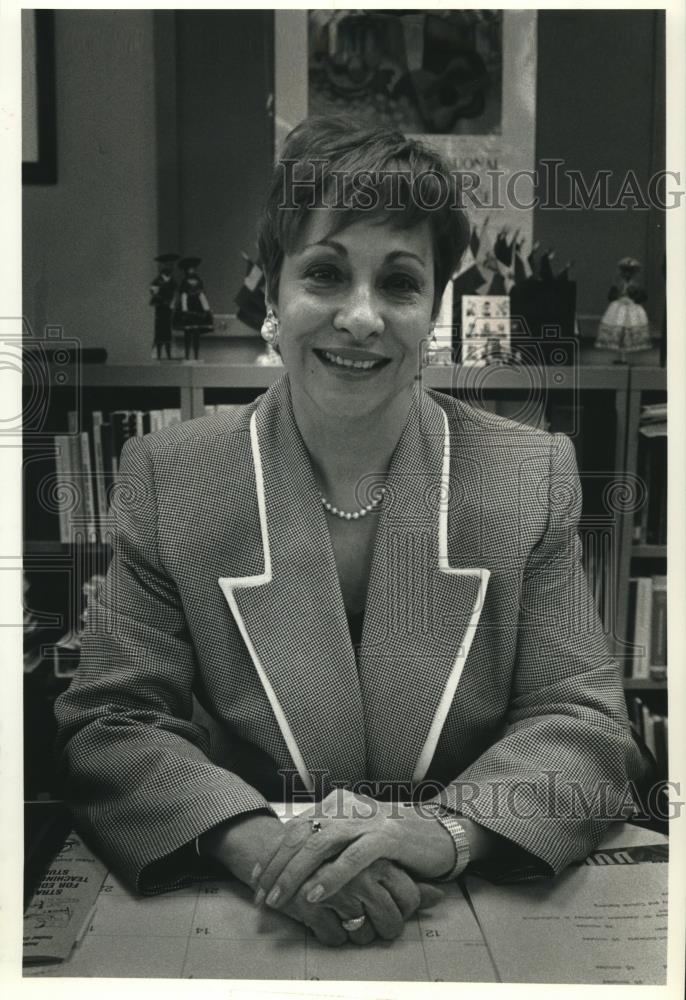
[291, 615]
[423, 603]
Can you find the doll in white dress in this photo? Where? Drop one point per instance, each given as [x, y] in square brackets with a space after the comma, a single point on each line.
[624, 325]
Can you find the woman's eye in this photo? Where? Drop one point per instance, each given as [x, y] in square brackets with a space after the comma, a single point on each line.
[403, 283]
[322, 273]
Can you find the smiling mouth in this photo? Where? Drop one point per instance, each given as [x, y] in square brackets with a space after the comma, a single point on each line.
[350, 364]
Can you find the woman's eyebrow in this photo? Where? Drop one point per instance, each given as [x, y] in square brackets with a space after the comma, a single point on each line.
[332, 244]
[394, 254]
[340, 248]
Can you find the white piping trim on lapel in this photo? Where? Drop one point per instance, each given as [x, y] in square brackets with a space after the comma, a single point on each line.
[230, 583]
[429, 748]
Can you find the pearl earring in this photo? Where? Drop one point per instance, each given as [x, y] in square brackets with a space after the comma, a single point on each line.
[270, 328]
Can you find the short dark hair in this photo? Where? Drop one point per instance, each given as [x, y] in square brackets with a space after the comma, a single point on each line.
[335, 162]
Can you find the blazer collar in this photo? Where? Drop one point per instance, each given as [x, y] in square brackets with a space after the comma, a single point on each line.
[383, 721]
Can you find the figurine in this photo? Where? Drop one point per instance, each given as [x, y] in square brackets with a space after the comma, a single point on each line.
[192, 314]
[624, 326]
[163, 297]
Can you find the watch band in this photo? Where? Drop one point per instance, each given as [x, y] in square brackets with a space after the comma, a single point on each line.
[452, 824]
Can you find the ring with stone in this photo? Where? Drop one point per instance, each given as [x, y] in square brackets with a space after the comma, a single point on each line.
[354, 923]
[315, 825]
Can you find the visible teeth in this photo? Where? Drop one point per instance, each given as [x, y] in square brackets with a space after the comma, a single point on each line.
[347, 362]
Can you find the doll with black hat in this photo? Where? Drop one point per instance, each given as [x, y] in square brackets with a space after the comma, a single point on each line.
[193, 314]
[162, 297]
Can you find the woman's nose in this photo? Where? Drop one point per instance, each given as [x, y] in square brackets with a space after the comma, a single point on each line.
[360, 315]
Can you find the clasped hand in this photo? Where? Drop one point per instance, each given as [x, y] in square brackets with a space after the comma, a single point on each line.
[355, 832]
[383, 893]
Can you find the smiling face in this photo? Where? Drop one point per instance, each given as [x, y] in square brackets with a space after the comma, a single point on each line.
[354, 308]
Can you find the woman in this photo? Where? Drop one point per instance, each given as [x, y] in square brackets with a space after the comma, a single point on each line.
[372, 593]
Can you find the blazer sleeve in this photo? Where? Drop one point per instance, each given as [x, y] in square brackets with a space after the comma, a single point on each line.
[134, 764]
[560, 769]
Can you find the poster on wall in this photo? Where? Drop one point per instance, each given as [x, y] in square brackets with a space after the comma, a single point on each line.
[464, 80]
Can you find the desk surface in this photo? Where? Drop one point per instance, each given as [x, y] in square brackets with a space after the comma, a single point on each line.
[598, 922]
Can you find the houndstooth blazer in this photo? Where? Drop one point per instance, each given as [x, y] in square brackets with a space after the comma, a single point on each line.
[217, 653]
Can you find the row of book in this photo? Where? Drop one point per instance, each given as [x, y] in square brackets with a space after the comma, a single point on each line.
[650, 525]
[653, 729]
[87, 466]
[647, 628]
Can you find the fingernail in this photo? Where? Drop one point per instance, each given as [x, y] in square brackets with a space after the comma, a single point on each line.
[259, 897]
[256, 872]
[314, 895]
[273, 897]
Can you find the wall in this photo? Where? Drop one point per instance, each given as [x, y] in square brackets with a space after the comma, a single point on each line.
[88, 238]
[598, 107]
[225, 141]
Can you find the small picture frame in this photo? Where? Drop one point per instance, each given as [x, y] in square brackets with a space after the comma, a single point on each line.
[485, 329]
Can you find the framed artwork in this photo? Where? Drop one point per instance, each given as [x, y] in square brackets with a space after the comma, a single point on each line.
[464, 80]
[485, 329]
[39, 130]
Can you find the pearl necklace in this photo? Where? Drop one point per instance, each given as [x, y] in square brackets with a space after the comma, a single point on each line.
[353, 515]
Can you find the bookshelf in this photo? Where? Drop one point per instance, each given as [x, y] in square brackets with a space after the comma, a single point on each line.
[639, 557]
[644, 684]
[639, 551]
[602, 402]
[643, 562]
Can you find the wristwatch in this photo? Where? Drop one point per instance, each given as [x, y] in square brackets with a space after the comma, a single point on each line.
[451, 822]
